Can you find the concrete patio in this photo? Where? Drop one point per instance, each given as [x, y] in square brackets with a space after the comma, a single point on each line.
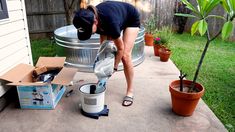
[150, 112]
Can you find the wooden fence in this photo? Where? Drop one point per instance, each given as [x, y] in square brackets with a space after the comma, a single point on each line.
[44, 16]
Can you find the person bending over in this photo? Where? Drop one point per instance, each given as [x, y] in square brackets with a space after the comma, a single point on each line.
[109, 19]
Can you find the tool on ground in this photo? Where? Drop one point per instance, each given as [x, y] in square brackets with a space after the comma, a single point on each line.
[70, 92]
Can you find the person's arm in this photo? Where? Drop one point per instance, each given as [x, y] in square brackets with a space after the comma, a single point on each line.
[120, 51]
[102, 38]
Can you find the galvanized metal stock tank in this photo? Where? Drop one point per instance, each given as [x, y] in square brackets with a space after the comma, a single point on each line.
[81, 54]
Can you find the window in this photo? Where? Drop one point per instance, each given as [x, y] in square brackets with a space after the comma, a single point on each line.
[3, 9]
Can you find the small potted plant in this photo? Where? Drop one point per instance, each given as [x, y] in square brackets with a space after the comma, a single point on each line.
[185, 94]
[164, 54]
[150, 28]
[156, 45]
[164, 40]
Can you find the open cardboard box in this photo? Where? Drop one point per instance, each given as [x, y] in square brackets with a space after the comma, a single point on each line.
[35, 95]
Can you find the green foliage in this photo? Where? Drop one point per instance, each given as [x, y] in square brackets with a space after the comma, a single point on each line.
[185, 15]
[227, 29]
[202, 12]
[43, 47]
[150, 24]
[202, 27]
[229, 6]
[194, 27]
[165, 34]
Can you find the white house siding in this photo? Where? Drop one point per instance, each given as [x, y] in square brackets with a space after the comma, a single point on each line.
[14, 39]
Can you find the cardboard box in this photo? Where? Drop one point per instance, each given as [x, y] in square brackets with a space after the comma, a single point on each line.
[33, 95]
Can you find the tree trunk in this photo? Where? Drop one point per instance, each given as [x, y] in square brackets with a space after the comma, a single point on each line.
[69, 7]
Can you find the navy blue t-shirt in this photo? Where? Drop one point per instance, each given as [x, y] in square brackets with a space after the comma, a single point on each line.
[115, 17]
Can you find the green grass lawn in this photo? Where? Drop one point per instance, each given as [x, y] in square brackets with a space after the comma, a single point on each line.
[217, 73]
[43, 47]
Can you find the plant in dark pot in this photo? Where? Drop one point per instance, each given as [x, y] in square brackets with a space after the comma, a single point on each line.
[164, 40]
[186, 93]
[150, 28]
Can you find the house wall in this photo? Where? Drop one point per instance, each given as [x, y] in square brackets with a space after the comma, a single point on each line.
[14, 39]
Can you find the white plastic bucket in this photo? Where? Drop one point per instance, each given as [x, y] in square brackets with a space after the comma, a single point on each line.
[91, 103]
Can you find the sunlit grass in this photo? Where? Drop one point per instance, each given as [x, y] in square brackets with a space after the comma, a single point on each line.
[42, 47]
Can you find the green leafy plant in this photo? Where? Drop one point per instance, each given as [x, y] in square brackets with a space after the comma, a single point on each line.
[164, 36]
[150, 24]
[202, 13]
[157, 40]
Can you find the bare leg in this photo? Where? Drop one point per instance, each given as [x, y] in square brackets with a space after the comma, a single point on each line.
[129, 37]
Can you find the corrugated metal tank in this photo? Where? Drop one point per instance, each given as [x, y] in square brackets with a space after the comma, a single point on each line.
[81, 54]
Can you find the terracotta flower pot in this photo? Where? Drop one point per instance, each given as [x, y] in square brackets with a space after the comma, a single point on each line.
[156, 48]
[164, 54]
[148, 39]
[184, 103]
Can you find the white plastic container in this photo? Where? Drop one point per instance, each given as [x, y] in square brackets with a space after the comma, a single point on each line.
[91, 103]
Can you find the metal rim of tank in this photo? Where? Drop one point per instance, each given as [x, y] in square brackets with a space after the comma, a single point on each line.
[65, 38]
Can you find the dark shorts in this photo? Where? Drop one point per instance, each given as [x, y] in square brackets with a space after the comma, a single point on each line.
[134, 20]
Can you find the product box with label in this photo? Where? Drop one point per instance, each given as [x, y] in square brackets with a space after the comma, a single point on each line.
[35, 94]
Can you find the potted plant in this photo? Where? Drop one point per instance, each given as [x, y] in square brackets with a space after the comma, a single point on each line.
[164, 54]
[162, 44]
[157, 45]
[150, 27]
[184, 92]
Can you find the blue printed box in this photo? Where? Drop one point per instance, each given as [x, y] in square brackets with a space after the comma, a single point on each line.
[39, 95]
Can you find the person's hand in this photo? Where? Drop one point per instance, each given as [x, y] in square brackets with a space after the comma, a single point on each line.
[114, 70]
